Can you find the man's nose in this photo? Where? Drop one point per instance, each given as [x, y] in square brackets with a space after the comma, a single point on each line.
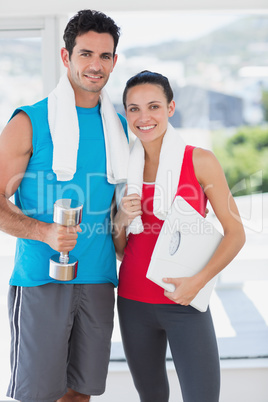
[95, 63]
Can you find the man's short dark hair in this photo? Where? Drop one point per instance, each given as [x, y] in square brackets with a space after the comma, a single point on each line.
[89, 20]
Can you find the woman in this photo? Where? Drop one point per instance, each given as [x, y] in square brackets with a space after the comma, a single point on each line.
[150, 316]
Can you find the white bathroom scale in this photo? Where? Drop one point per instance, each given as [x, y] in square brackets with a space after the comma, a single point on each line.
[184, 246]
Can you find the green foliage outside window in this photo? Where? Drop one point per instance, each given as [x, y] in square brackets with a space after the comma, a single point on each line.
[265, 104]
[244, 158]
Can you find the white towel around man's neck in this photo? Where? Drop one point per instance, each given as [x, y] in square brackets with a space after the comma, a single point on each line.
[167, 178]
[64, 128]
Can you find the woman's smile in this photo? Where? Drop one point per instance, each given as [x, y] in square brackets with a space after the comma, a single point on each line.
[148, 111]
[146, 128]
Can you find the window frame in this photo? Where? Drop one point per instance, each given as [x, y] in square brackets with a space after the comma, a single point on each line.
[50, 29]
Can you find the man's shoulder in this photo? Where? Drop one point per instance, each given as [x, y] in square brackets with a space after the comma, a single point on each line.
[122, 118]
[40, 105]
[124, 123]
[37, 108]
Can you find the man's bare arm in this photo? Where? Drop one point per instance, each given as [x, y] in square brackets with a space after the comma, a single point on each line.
[15, 153]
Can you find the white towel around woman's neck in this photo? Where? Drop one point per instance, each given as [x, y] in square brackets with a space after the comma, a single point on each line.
[64, 128]
[167, 178]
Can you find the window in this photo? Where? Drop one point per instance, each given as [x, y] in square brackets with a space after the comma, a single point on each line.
[20, 71]
[28, 71]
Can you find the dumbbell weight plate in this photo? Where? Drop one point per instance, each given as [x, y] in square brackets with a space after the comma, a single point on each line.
[63, 271]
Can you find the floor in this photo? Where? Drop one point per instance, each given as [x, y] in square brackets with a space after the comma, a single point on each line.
[238, 304]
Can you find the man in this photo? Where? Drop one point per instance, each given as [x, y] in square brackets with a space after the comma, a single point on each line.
[61, 331]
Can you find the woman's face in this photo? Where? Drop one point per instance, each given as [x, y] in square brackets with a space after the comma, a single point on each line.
[147, 112]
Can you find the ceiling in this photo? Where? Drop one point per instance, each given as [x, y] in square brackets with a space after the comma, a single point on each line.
[64, 7]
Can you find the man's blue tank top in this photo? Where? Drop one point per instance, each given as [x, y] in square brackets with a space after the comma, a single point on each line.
[39, 189]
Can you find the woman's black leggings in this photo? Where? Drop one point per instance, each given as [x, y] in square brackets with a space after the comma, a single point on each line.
[145, 330]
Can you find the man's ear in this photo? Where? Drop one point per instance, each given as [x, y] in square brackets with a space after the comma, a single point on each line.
[114, 61]
[65, 57]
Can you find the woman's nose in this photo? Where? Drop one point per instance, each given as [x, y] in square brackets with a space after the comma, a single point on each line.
[145, 116]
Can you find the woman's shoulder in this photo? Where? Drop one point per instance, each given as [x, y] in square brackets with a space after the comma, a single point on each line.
[204, 162]
[203, 156]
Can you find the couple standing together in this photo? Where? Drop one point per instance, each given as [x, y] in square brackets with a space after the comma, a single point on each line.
[61, 332]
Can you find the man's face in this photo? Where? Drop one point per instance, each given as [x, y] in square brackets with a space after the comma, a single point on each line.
[91, 62]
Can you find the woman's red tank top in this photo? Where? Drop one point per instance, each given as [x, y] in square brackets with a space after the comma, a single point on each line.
[133, 283]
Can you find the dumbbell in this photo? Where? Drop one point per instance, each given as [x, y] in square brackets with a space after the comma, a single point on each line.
[63, 267]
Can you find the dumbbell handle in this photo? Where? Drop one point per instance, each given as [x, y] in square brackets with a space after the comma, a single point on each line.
[64, 257]
[66, 218]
